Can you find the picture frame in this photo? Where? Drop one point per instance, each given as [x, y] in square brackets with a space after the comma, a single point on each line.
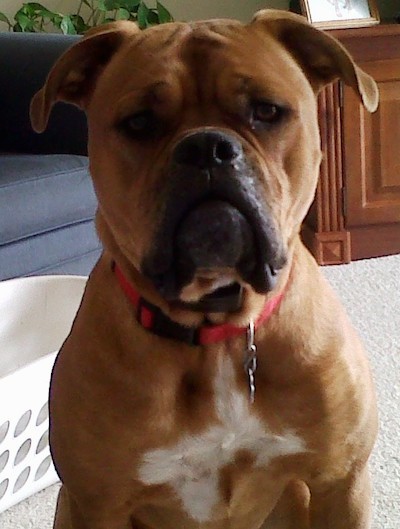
[337, 14]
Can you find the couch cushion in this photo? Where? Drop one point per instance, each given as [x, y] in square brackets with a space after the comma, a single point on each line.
[80, 265]
[40, 193]
[68, 250]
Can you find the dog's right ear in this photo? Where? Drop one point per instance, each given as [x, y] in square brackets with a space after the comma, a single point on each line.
[74, 75]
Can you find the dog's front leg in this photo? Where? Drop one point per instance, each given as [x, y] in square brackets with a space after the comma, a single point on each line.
[292, 509]
[62, 519]
[342, 505]
[70, 516]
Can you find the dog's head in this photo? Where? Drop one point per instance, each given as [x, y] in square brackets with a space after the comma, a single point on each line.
[203, 142]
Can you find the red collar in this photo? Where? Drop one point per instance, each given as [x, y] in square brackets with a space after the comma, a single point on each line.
[153, 319]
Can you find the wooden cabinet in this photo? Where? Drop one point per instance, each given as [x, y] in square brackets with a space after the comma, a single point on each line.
[356, 212]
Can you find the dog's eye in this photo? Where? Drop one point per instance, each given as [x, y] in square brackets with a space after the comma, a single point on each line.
[140, 124]
[266, 112]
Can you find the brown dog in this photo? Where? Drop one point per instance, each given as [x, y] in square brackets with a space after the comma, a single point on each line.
[204, 151]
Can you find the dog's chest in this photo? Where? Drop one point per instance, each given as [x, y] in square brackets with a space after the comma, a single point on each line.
[192, 467]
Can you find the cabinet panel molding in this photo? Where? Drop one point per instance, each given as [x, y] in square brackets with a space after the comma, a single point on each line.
[356, 212]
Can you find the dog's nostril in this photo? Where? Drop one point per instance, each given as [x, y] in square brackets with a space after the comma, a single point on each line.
[225, 152]
[208, 149]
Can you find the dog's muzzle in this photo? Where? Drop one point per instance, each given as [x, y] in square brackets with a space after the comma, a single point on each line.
[214, 218]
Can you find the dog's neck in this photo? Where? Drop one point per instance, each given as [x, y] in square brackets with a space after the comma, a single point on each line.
[152, 318]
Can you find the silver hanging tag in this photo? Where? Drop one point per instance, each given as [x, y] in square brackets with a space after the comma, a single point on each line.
[250, 361]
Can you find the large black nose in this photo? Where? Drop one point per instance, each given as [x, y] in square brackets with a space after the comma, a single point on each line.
[207, 149]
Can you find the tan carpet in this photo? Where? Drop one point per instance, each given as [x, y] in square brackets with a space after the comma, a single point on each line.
[370, 290]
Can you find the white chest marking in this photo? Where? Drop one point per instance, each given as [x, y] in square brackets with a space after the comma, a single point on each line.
[192, 466]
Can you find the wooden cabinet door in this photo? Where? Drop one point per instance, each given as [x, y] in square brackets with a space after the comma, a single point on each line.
[356, 212]
[371, 145]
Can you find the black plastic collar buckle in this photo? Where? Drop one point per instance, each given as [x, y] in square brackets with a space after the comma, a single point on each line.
[164, 327]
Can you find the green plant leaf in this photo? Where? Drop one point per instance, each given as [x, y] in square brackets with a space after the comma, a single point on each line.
[123, 14]
[21, 11]
[27, 10]
[102, 6]
[34, 7]
[129, 5]
[142, 15]
[132, 5]
[79, 24]
[111, 5]
[33, 16]
[153, 18]
[163, 14]
[37, 13]
[23, 21]
[56, 18]
[67, 26]
[3, 18]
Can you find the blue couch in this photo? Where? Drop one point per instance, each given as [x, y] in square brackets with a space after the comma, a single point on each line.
[47, 203]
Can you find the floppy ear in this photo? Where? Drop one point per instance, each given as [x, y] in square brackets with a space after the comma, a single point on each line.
[73, 76]
[322, 58]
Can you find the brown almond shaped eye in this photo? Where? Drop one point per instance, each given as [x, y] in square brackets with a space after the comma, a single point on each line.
[139, 122]
[266, 112]
[142, 125]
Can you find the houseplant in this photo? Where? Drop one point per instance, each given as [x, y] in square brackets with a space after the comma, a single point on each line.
[34, 17]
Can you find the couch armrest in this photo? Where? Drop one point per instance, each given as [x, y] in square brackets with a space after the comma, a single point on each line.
[25, 60]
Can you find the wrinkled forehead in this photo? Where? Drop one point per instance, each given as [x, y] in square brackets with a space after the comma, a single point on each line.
[205, 55]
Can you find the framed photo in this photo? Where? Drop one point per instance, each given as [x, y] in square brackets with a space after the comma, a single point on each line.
[330, 14]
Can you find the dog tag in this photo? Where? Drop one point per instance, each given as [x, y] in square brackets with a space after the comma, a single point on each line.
[250, 362]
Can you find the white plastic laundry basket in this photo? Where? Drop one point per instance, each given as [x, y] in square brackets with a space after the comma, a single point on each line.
[35, 317]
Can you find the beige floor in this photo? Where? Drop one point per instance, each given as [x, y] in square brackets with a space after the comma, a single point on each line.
[371, 292]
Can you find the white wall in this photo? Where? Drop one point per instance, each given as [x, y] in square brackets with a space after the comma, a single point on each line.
[181, 9]
[241, 9]
[195, 9]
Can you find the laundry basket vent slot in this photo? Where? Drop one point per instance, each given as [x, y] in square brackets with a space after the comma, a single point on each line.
[43, 468]
[43, 414]
[3, 487]
[43, 442]
[22, 479]
[4, 457]
[23, 451]
[22, 424]
[4, 430]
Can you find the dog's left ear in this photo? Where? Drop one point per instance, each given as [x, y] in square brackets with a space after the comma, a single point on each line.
[74, 74]
[322, 57]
